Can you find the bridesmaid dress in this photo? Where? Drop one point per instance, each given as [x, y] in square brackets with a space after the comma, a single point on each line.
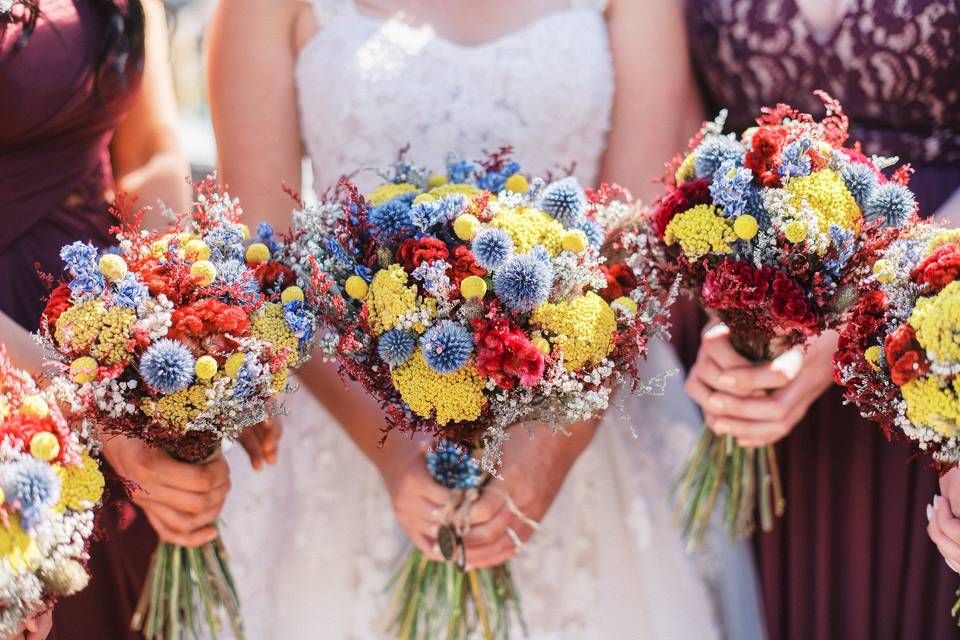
[56, 123]
[851, 559]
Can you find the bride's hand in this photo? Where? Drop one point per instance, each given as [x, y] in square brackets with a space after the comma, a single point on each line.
[944, 525]
[262, 441]
[36, 628]
[758, 403]
[418, 501]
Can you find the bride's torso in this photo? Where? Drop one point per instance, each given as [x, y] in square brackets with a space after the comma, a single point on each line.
[369, 86]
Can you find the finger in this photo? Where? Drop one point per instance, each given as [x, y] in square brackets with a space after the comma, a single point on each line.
[502, 550]
[185, 501]
[42, 626]
[764, 408]
[697, 390]
[716, 343]
[251, 444]
[270, 441]
[718, 379]
[744, 429]
[194, 539]
[489, 531]
[948, 523]
[179, 522]
[199, 478]
[947, 547]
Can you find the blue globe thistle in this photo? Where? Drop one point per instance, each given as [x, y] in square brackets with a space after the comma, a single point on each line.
[452, 466]
[891, 203]
[731, 187]
[32, 483]
[79, 257]
[460, 171]
[395, 347]
[524, 282]
[861, 180]
[265, 235]
[167, 366]
[129, 291]
[446, 346]
[565, 201]
[713, 152]
[392, 219]
[795, 161]
[492, 247]
[594, 232]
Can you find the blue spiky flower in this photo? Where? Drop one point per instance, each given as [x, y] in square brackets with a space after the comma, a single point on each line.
[492, 247]
[594, 232]
[524, 282]
[395, 347]
[446, 346]
[452, 466]
[167, 366]
[392, 219]
[34, 485]
[891, 203]
[265, 235]
[713, 152]
[565, 201]
[861, 180]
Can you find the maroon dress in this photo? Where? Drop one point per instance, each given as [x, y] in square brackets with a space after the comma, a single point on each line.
[851, 560]
[55, 184]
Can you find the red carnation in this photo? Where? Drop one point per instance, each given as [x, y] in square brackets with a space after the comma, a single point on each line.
[939, 269]
[789, 304]
[58, 303]
[412, 253]
[207, 322]
[464, 265]
[620, 281]
[763, 158]
[273, 276]
[905, 355]
[685, 196]
[736, 284]
[505, 354]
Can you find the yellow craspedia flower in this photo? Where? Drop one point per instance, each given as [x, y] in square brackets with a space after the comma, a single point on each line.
[473, 287]
[197, 249]
[795, 231]
[177, 409]
[465, 226]
[271, 326]
[746, 227]
[627, 303]
[882, 269]
[423, 197]
[389, 299]
[83, 369]
[44, 446]
[203, 272]
[700, 230]
[356, 287]
[34, 406]
[933, 402]
[257, 252]
[387, 192]
[159, 247]
[17, 548]
[116, 331]
[825, 193]
[436, 180]
[455, 188]
[686, 170]
[872, 355]
[542, 344]
[517, 184]
[575, 241]
[291, 294]
[936, 320]
[233, 364]
[112, 266]
[244, 230]
[206, 367]
[79, 325]
[449, 397]
[528, 228]
[81, 487]
[582, 328]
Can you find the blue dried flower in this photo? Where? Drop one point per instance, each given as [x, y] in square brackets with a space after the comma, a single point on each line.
[594, 232]
[79, 257]
[235, 273]
[524, 282]
[364, 272]
[300, 320]
[795, 161]
[841, 250]
[452, 466]
[167, 366]
[225, 242]
[861, 180]
[392, 220]
[32, 483]
[713, 152]
[495, 180]
[335, 249]
[429, 213]
[891, 203]
[446, 346]
[492, 247]
[460, 171]
[731, 188]
[129, 291]
[395, 347]
[565, 201]
[265, 235]
[245, 382]
[88, 282]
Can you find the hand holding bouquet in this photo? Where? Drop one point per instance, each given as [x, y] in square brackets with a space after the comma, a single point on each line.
[773, 233]
[49, 487]
[180, 340]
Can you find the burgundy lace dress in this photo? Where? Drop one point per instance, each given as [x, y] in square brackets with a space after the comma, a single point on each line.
[55, 184]
[851, 560]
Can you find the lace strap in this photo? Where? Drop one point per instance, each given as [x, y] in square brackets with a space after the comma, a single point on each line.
[326, 10]
[597, 5]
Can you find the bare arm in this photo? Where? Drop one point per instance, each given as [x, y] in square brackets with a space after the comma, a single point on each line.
[23, 351]
[146, 157]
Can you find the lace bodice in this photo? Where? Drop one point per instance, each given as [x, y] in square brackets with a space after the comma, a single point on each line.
[370, 86]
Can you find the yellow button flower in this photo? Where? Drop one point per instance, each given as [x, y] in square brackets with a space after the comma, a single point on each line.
[700, 230]
[473, 287]
[626, 303]
[746, 227]
[233, 364]
[34, 406]
[257, 252]
[203, 272]
[575, 241]
[44, 446]
[436, 180]
[83, 370]
[517, 184]
[542, 345]
[196, 249]
[795, 231]
[465, 226]
[244, 230]
[17, 548]
[112, 266]
[206, 367]
[872, 355]
[356, 287]
[291, 294]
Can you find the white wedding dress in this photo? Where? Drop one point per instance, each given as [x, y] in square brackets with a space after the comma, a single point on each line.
[312, 540]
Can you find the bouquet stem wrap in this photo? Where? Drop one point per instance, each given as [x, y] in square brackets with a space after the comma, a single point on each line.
[749, 475]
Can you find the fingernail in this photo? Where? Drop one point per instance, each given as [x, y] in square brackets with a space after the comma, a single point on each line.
[929, 512]
[435, 549]
[936, 502]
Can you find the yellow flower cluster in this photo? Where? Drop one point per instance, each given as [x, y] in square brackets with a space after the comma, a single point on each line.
[80, 487]
[452, 397]
[387, 192]
[269, 325]
[115, 332]
[177, 409]
[700, 230]
[389, 299]
[933, 403]
[944, 237]
[79, 325]
[455, 188]
[582, 328]
[825, 193]
[686, 170]
[936, 320]
[17, 548]
[528, 228]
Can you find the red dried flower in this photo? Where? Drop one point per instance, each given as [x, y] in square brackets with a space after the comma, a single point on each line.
[272, 276]
[464, 265]
[736, 284]
[905, 355]
[939, 269]
[763, 158]
[58, 303]
[505, 354]
[20, 429]
[208, 322]
[620, 281]
[412, 253]
[789, 304]
[685, 196]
